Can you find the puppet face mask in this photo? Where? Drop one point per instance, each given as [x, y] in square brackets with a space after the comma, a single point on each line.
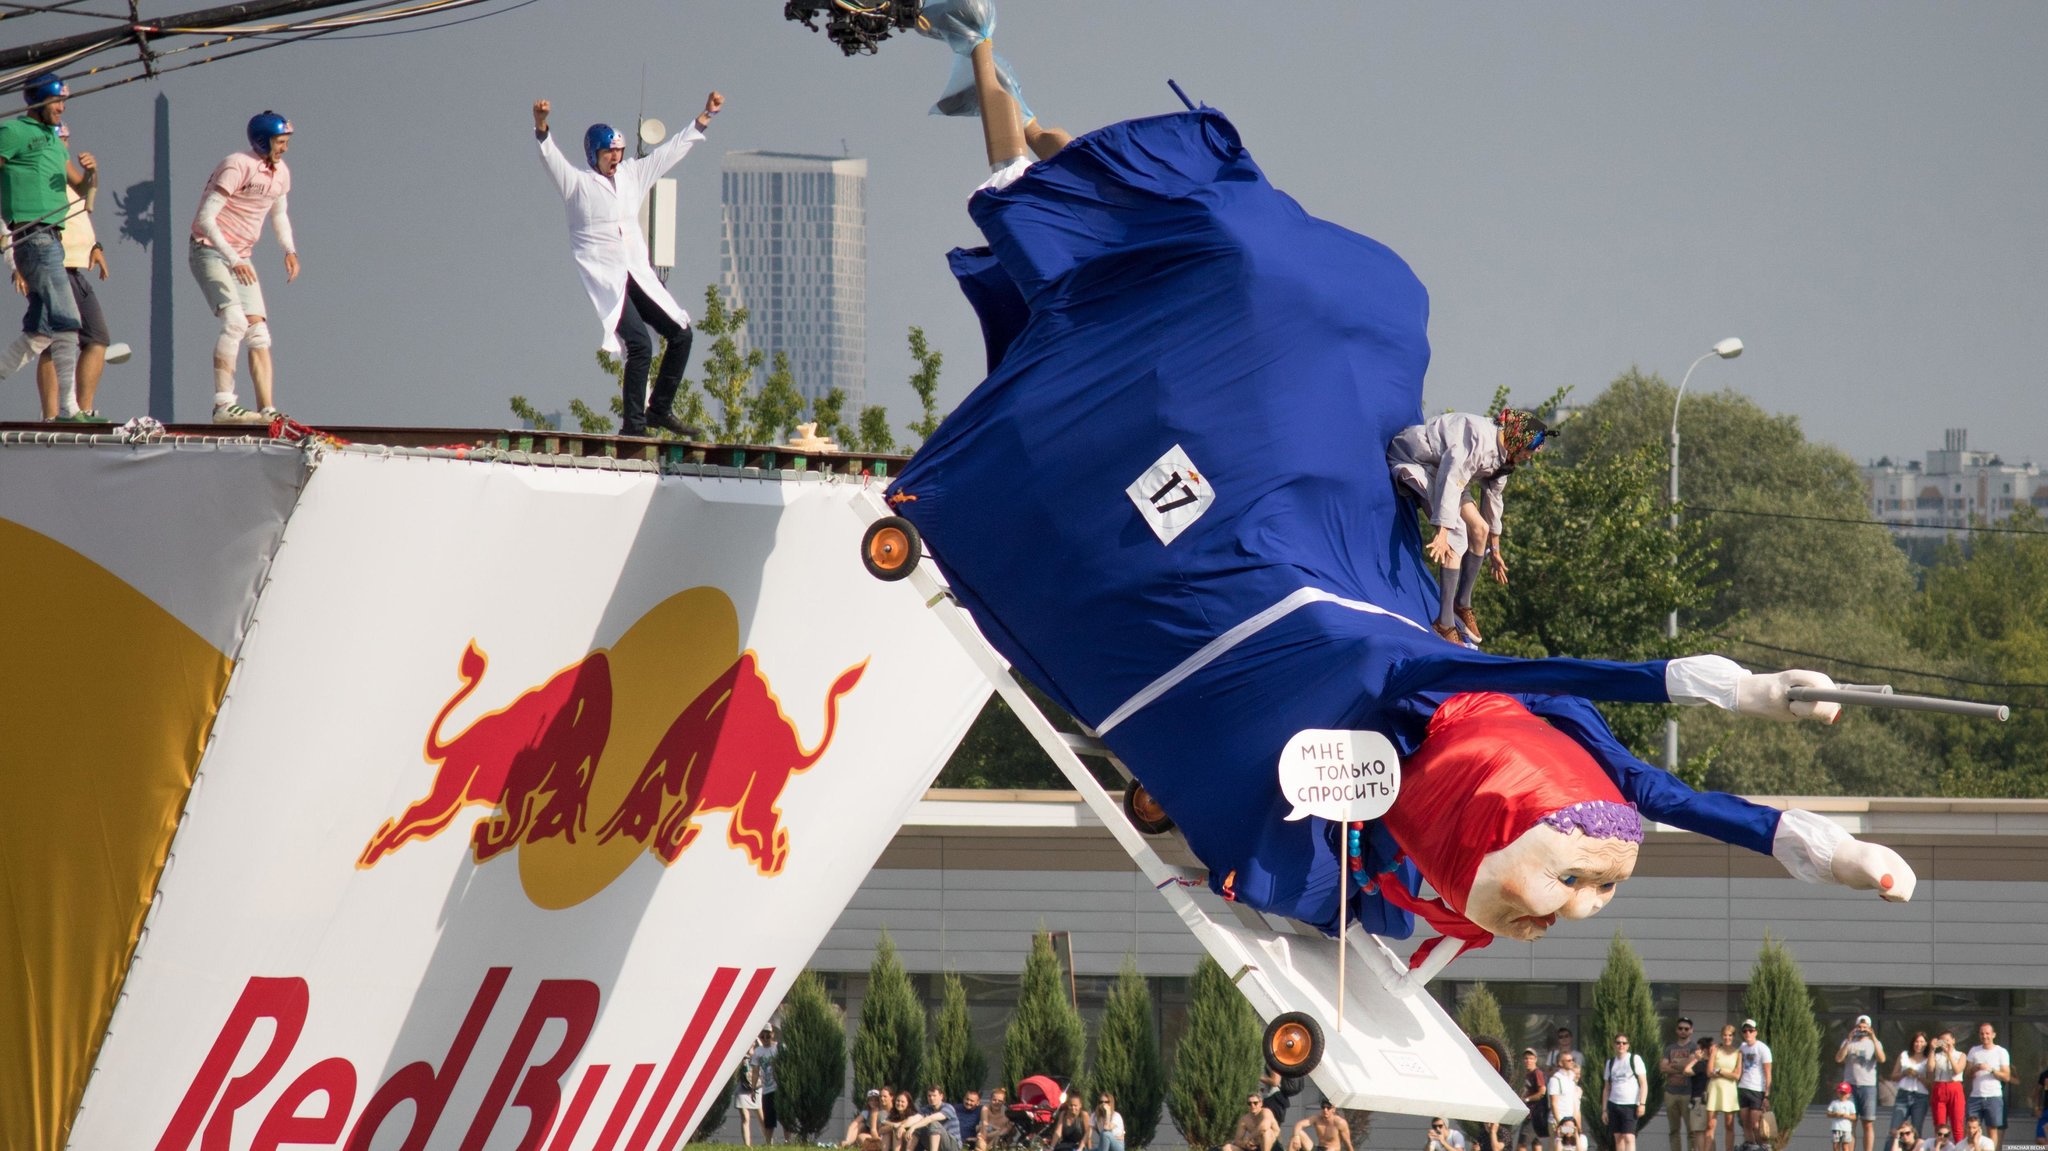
[1544, 874]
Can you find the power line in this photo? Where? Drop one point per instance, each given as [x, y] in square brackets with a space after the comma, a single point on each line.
[19, 9]
[1877, 666]
[1869, 523]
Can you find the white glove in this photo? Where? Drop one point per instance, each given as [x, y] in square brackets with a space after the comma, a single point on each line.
[1873, 867]
[1765, 696]
[1815, 849]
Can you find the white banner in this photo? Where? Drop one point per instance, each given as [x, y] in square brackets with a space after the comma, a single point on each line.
[532, 793]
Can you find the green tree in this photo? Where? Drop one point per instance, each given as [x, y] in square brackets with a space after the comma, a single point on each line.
[957, 1060]
[1595, 571]
[1622, 1005]
[829, 412]
[1217, 1062]
[716, 1110]
[1127, 1060]
[1778, 1000]
[775, 410]
[1753, 465]
[873, 428]
[889, 1044]
[588, 419]
[523, 409]
[1984, 611]
[925, 382]
[998, 752]
[728, 375]
[1045, 1035]
[810, 1061]
[1479, 1017]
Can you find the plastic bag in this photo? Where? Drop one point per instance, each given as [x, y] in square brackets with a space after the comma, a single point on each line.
[962, 24]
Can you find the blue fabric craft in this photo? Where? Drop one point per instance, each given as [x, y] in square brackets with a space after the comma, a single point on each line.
[1169, 334]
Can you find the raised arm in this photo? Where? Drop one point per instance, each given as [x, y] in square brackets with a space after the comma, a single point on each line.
[551, 158]
[673, 149]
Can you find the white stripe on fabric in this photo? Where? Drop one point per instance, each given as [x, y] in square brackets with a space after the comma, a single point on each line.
[1215, 648]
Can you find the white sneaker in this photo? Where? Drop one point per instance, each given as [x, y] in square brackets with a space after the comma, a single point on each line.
[272, 414]
[237, 414]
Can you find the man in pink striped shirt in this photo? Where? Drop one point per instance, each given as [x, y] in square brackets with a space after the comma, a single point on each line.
[246, 188]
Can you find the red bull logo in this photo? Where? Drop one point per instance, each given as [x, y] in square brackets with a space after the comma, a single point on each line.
[703, 733]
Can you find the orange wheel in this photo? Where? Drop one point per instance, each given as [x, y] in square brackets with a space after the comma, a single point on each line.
[891, 548]
[1495, 1053]
[1294, 1044]
[1144, 811]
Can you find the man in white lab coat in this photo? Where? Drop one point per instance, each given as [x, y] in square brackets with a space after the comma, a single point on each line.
[603, 205]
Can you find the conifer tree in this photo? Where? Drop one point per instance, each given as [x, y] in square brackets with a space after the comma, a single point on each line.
[810, 1061]
[1783, 1009]
[1622, 1005]
[1127, 1060]
[719, 1107]
[1045, 1035]
[957, 1060]
[1217, 1063]
[1479, 1017]
[889, 1046]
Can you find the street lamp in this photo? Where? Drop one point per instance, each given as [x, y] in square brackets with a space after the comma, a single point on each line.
[1727, 349]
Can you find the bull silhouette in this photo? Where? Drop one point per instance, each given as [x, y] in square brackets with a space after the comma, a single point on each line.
[534, 757]
[731, 750]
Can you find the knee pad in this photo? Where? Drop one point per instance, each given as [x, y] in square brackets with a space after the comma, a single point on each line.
[259, 334]
[234, 325]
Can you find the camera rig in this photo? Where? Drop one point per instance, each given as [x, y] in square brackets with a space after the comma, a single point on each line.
[857, 26]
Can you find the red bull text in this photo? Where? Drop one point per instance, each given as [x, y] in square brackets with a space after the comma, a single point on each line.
[524, 1093]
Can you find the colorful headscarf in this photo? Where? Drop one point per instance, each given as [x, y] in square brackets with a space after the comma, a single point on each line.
[1521, 431]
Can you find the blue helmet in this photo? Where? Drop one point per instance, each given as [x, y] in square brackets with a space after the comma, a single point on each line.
[46, 87]
[598, 138]
[264, 127]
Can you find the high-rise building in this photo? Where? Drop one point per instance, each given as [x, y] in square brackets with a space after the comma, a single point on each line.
[795, 254]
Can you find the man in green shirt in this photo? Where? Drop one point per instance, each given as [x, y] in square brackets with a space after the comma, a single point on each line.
[35, 167]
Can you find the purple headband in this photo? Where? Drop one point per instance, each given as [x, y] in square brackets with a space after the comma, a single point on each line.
[1598, 819]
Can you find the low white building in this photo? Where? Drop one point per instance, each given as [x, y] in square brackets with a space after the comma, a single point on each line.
[972, 874]
[1954, 488]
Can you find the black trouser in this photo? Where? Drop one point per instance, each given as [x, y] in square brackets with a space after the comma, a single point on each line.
[639, 313]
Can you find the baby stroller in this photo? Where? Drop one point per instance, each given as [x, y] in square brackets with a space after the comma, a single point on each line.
[1033, 1114]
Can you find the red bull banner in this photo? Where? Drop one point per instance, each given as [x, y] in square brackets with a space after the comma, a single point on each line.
[129, 578]
[529, 793]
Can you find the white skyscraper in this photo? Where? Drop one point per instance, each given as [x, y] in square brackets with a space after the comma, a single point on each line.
[795, 254]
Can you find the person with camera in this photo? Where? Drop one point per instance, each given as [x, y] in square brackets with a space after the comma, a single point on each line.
[1860, 1056]
[1724, 1070]
[1945, 1077]
[1909, 1083]
[603, 202]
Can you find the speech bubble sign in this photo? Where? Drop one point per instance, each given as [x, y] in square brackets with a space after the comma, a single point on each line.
[1339, 775]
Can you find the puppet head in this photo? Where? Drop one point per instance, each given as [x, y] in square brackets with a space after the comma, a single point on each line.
[1511, 821]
